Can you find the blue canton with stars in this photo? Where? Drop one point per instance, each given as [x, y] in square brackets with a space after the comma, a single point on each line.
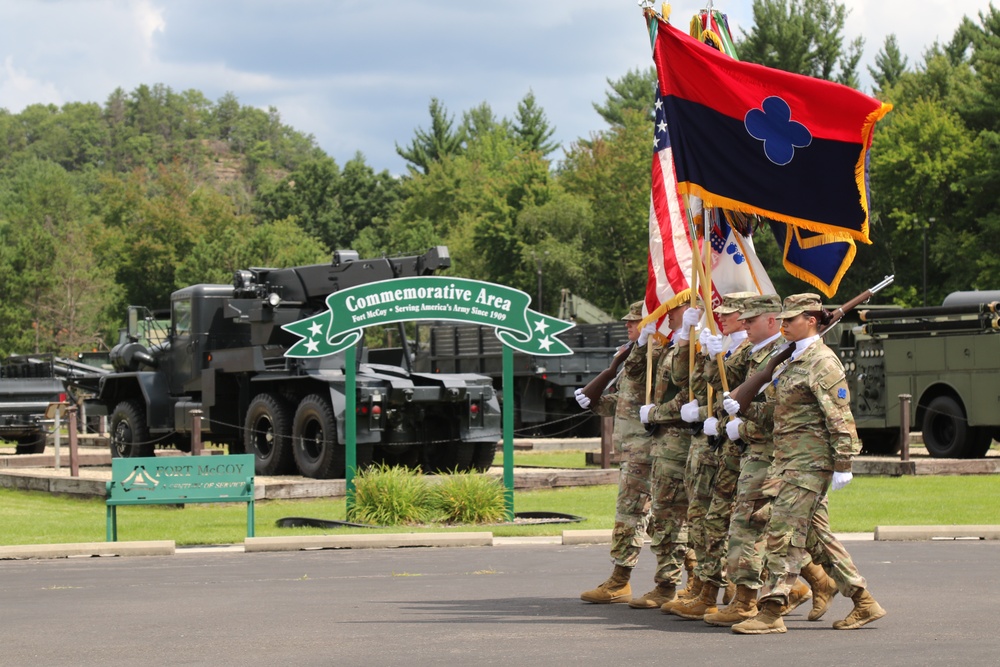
[773, 125]
[661, 139]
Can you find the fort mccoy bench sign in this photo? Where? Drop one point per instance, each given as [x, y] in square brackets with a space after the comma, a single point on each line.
[439, 298]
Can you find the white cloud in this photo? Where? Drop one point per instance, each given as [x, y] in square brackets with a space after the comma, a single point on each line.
[19, 90]
[148, 21]
[359, 75]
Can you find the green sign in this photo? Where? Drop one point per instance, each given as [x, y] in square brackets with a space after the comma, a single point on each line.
[428, 298]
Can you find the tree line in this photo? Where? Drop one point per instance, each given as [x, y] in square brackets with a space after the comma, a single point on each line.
[106, 205]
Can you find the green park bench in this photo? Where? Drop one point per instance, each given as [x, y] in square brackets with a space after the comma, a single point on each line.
[177, 480]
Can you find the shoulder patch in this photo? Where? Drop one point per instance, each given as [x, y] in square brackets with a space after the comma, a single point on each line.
[842, 393]
[831, 378]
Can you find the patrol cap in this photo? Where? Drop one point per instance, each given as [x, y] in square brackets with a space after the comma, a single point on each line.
[797, 304]
[732, 302]
[634, 312]
[758, 305]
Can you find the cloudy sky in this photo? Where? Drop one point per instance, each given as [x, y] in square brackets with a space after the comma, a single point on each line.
[359, 75]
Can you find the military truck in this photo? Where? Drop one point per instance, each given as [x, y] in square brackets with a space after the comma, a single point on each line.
[222, 352]
[27, 387]
[543, 386]
[29, 384]
[947, 358]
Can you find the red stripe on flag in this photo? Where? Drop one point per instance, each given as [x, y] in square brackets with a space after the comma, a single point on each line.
[697, 72]
[669, 262]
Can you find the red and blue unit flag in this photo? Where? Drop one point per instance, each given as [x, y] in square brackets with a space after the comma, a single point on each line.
[763, 141]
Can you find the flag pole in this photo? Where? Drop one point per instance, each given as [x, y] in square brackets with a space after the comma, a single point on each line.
[720, 360]
[706, 286]
[693, 304]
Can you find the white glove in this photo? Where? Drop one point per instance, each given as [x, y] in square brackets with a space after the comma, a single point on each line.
[730, 405]
[713, 344]
[841, 479]
[692, 316]
[644, 412]
[705, 333]
[711, 426]
[733, 428]
[582, 398]
[645, 332]
[689, 411]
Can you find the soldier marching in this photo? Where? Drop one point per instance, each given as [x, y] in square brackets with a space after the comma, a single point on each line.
[766, 518]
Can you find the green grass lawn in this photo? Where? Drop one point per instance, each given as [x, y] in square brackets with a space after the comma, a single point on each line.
[39, 518]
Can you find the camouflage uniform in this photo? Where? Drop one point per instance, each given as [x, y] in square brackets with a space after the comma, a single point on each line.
[711, 508]
[750, 507]
[702, 470]
[814, 435]
[723, 491]
[627, 395]
[671, 443]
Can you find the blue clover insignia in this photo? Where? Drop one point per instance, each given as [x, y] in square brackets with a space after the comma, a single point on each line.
[773, 125]
[733, 250]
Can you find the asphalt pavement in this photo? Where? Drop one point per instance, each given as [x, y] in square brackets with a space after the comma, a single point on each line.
[508, 604]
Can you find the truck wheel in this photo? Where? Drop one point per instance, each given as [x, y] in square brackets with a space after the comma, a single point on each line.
[30, 444]
[979, 442]
[945, 428]
[484, 455]
[267, 435]
[314, 439]
[129, 433]
[879, 442]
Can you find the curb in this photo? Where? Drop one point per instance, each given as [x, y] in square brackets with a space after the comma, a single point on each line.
[146, 548]
[399, 540]
[918, 533]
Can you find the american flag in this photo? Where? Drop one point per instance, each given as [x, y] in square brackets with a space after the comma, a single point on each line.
[669, 265]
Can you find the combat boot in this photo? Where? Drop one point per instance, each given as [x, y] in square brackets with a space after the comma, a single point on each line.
[655, 598]
[767, 621]
[866, 610]
[695, 609]
[743, 607]
[729, 593]
[615, 589]
[799, 594]
[824, 588]
[690, 593]
[690, 561]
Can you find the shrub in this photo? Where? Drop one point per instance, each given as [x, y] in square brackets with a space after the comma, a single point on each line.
[389, 496]
[469, 498]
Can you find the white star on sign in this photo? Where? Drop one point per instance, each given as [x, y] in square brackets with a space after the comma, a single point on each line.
[545, 343]
[541, 326]
[312, 345]
[316, 329]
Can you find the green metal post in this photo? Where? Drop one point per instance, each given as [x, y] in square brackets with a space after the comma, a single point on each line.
[508, 430]
[350, 425]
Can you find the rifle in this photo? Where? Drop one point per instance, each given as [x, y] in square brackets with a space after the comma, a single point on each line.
[596, 387]
[745, 392]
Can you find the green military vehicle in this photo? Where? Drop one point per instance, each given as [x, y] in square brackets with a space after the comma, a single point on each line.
[221, 350]
[947, 358]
